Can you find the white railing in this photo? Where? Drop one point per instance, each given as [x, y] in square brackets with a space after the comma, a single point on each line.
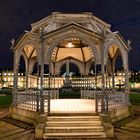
[54, 94]
[27, 101]
[89, 94]
[108, 101]
[117, 100]
[32, 100]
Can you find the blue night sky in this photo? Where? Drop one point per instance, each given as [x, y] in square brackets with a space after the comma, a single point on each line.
[17, 15]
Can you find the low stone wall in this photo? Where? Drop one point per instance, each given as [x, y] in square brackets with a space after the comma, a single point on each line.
[114, 116]
[120, 113]
[109, 129]
[23, 115]
[35, 118]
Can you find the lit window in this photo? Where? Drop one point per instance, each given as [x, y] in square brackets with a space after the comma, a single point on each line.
[8, 79]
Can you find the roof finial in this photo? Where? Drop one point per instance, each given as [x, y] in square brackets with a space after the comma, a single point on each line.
[129, 42]
[12, 43]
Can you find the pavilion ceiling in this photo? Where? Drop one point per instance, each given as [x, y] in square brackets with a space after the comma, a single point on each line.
[30, 51]
[73, 48]
[112, 51]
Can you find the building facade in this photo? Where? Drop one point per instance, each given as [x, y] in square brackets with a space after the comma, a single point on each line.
[6, 78]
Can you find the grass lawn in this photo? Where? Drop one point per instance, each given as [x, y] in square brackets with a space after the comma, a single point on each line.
[134, 98]
[5, 100]
[70, 94]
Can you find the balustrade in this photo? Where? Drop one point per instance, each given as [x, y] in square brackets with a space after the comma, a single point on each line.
[107, 101]
[32, 99]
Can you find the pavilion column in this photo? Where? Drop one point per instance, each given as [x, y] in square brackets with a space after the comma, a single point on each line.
[95, 71]
[37, 109]
[27, 75]
[49, 84]
[106, 81]
[113, 76]
[109, 76]
[109, 86]
[103, 85]
[85, 83]
[96, 97]
[54, 74]
[103, 73]
[126, 70]
[15, 78]
[103, 80]
[42, 74]
[67, 67]
[67, 71]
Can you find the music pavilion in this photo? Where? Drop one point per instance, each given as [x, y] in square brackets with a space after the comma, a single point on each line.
[71, 40]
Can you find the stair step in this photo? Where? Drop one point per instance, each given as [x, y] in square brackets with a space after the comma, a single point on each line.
[71, 118]
[74, 135]
[74, 129]
[73, 123]
[73, 114]
[85, 125]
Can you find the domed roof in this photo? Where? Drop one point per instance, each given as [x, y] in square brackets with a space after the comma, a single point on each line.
[57, 20]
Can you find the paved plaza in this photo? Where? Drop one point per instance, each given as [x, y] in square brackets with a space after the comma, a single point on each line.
[128, 131]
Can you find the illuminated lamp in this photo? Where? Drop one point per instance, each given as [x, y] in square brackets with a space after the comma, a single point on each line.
[70, 45]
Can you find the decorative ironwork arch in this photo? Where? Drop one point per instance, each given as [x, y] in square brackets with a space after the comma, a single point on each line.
[51, 46]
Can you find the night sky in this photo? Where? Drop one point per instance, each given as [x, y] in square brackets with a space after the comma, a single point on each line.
[17, 15]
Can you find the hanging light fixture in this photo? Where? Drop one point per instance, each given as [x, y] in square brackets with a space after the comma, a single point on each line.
[70, 45]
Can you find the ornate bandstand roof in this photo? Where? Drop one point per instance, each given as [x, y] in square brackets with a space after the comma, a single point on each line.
[73, 46]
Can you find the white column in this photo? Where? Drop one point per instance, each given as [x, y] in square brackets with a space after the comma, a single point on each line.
[15, 79]
[67, 72]
[15, 69]
[27, 75]
[103, 73]
[113, 76]
[126, 70]
[49, 83]
[103, 79]
[67, 68]
[95, 71]
[38, 107]
[42, 74]
[54, 75]
[106, 81]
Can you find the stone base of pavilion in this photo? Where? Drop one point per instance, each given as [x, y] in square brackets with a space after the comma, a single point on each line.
[67, 106]
[25, 113]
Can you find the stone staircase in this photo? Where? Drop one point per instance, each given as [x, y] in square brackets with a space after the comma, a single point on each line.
[74, 126]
